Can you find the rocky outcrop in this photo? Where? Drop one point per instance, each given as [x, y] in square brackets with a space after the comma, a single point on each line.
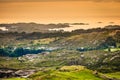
[24, 73]
[5, 73]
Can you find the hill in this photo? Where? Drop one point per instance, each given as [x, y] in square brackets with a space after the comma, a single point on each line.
[52, 55]
[68, 72]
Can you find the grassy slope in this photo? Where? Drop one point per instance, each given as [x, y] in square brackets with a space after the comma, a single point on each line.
[70, 74]
[15, 79]
[114, 75]
[12, 63]
[67, 74]
[113, 49]
[83, 40]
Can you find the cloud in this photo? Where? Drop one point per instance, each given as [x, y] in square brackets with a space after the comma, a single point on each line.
[57, 0]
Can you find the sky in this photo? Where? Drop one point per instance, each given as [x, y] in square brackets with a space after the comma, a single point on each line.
[59, 11]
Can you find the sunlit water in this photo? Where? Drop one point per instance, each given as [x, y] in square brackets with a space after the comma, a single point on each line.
[3, 29]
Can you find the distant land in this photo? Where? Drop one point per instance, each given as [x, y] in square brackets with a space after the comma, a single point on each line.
[52, 27]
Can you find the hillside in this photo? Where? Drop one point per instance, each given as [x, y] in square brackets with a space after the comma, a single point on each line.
[69, 72]
[49, 56]
[78, 38]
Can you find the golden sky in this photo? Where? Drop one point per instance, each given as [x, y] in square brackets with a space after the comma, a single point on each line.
[54, 11]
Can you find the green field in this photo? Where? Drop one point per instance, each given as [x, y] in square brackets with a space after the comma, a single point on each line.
[66, 73]
[113, 49]
[16, 79]
[114, 75]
